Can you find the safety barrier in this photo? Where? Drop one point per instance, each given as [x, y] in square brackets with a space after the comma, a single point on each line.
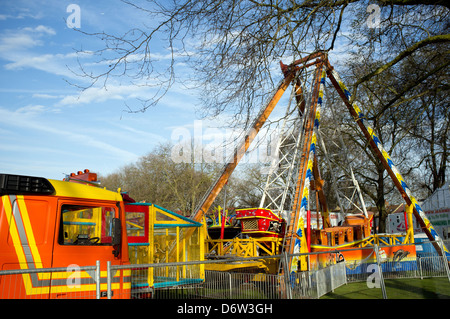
[182, 281]
[230, 285]
[380, 269]
[43, 283]
[190, 280]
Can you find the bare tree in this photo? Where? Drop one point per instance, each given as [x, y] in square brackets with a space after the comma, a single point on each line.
[431, 136]
[158, 179]
[389, 127]
[414, 96]
[247, 186]
[233, 45]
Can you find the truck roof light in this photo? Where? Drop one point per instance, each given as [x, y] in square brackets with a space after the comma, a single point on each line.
[20, 184]
[83, 177]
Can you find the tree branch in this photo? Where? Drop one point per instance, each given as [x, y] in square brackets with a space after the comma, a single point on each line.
[416, 46]
[408, 88]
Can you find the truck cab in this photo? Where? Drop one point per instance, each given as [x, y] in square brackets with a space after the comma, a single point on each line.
[72, 223]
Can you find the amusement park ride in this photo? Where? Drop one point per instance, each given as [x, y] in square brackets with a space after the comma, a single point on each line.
[46, 223]
[294, 178]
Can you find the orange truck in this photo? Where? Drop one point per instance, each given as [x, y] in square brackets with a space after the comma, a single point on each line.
[61, 224]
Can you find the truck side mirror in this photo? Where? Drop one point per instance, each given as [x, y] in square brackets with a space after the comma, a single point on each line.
[116, 236]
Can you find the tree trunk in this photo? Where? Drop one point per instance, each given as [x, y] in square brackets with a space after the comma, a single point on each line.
[381, 201]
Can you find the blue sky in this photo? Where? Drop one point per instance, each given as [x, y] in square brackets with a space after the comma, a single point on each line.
[47, 126]
[50, 128]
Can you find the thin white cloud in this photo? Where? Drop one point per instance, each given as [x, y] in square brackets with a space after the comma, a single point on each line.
[33, 149]
[27, 121]
[50, 63]
[9, 44]
[143, 136]
[46, 96]
[95, 94]
[110, 92]
[4, 17]
[40, 29]
[18, 40]
[18, 48]
[32, 109]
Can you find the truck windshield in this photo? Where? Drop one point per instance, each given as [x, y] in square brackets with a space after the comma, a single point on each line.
[86, 225]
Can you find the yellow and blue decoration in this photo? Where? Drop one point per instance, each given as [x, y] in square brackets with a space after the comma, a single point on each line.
[386, 156]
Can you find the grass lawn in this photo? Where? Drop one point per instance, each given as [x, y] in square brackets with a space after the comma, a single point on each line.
[428, 288]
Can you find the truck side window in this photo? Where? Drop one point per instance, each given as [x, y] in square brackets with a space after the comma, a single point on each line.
[86, 225]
